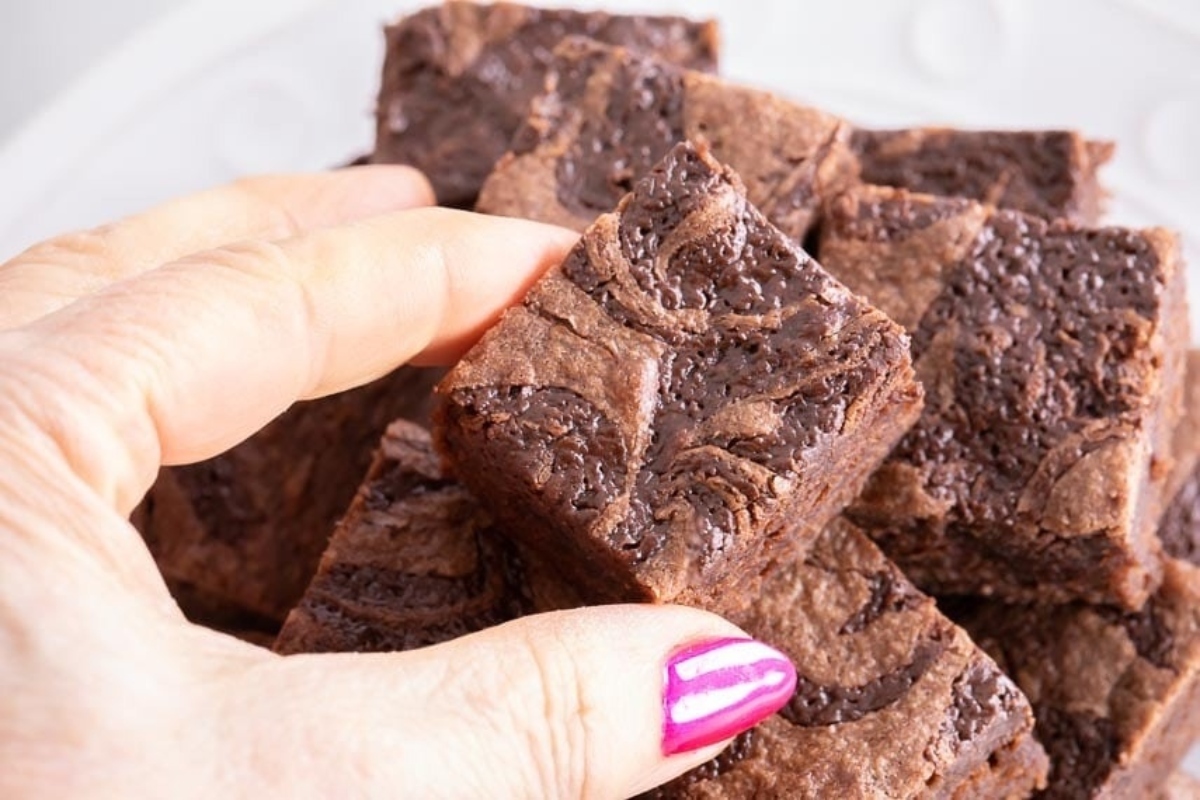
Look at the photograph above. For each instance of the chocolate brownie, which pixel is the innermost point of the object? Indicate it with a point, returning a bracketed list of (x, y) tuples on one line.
[(1049, 174), (1116, 693), (892, 699), (610, 114), (1179, 530), (1052, 357), (685, 396), (414, 562), (458, 78), (244, 531)]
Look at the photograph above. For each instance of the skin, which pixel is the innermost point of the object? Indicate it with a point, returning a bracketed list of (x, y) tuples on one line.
[(170, 336)]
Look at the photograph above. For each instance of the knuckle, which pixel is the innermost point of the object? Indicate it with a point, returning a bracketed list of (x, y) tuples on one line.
[(550, 710), (85, 245)]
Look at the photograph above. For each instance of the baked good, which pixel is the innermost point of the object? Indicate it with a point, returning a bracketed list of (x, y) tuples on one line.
[(609, 114), (893, 700), (1052, 356), (243, 532), (414, 562), (1179, 530), (458, 78), (685, 397), (1116, 693), (1050, 174)]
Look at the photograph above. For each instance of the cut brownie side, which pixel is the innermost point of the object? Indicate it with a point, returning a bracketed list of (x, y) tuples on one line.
[(1050, 174), (1052, 357), (414, 562), (688, 394), (1116, 694), (892, 700), (1180, 528), (610, 114), (244, 531), (458, 78)]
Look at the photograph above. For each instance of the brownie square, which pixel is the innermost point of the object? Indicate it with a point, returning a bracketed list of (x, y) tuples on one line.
[(893, 700), (1050, 174), (1116, 693), (686, 396), (240, 535), (414, 562), (458, 78), (610, 114), (892, 696), (1052, 357)]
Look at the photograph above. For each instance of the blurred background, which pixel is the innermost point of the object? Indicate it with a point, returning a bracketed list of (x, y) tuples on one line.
[(45, 43)]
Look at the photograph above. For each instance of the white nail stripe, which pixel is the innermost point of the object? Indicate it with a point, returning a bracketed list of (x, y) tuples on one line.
[(739, 654), (692, 707)]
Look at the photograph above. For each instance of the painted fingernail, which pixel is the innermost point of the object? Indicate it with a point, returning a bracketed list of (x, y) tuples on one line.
[(717, 689)]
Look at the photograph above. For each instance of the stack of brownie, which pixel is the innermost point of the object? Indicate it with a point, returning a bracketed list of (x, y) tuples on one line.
[(807, 376)]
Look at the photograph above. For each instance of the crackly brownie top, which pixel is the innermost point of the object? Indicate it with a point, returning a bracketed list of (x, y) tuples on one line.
[(415, 562), (1102, 681), (892, 699), (1049, 174), (459, 77), (609, 114), (1039, 344), (690, 368)]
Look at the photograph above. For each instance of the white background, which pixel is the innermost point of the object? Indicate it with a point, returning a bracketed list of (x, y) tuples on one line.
[(45, 43)]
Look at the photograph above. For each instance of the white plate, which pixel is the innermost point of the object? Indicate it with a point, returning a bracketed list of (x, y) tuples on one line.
[(223, 88)]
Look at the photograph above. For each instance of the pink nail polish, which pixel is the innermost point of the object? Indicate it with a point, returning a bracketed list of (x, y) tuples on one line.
[(717, 689)]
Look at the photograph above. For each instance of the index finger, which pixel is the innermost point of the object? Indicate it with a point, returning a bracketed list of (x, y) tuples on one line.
[(57, 272), (180, 363)]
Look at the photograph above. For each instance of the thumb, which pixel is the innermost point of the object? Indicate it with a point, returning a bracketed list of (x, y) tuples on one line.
[(599, 703)]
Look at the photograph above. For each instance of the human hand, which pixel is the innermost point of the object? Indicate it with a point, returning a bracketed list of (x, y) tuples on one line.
[(168, 337)]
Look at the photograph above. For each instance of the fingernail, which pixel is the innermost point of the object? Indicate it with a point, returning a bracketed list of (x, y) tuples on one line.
[(717, 689)]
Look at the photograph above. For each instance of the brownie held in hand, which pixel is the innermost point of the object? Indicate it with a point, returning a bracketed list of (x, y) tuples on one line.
[(458, 78), (415, 561), (610, 114), (892, 699), (686, 397), (1052, 358), (1050, 174)]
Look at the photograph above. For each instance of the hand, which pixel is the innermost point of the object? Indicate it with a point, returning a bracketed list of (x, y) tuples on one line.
[(167, 337)]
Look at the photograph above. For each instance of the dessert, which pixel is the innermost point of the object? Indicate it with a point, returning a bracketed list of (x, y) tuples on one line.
[(1050, 174), (1052, 357), (610, 114), (687, 397), (243, 531), (1116, 693), (458, 78), (893, 700), (414, 562), (1179, 530)]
